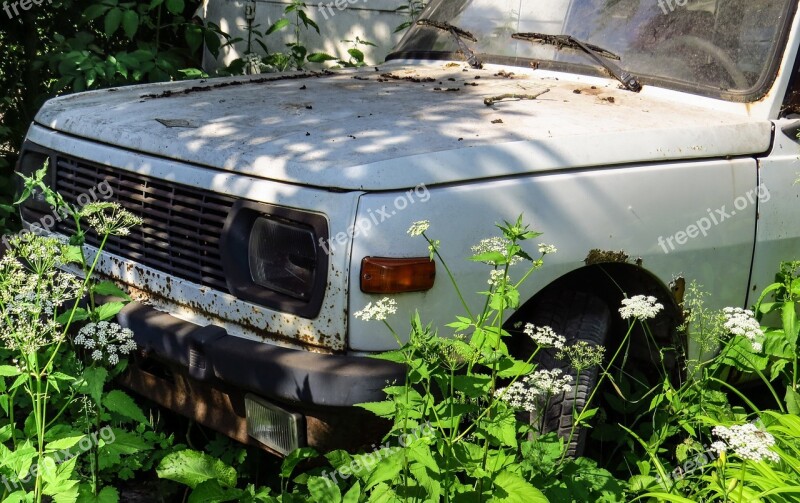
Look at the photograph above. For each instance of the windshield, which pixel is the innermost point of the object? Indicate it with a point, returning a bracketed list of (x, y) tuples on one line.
[(726, 48)]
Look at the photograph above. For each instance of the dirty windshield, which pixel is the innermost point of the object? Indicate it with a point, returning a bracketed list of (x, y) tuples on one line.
[(714, 47)]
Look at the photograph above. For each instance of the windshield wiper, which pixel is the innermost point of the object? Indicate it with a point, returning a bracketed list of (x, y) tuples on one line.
[(459, 35), (597, 53)]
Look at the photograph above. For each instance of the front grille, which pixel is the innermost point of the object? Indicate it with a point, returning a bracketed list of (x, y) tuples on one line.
[(182, 225)]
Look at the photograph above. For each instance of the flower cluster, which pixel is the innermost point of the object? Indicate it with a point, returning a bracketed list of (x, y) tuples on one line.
[(640, 307), (544, 249), (496, 277), (582, 355), (106, 340), (417, 228), (109, 218), (42, 253), (496, 245), (740, 321), (253, 64), (532, 391), (544, 336), (746, 441), (377, 311)]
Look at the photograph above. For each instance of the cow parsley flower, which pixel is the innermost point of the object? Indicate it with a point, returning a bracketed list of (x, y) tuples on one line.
[(640, 307), (380, 310), (109, 218), (740, 321), (544, 249), (107, 340), (496, 245), (582, 355), (496, 277), (532, 391), (544, 336), (417, 228), (747, 441)]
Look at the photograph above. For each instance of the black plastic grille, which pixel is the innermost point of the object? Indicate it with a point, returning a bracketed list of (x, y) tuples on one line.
[(182, 225)]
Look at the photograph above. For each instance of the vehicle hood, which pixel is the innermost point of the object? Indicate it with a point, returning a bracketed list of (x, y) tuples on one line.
[(400, 126)]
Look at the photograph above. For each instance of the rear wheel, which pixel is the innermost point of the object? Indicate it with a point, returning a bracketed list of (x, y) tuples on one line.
[(578, 316)]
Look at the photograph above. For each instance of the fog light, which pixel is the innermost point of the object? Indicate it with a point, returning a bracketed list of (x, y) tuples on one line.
[(278, 429)]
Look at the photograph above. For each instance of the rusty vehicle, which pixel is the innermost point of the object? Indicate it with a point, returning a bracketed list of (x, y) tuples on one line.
[(653, 143)]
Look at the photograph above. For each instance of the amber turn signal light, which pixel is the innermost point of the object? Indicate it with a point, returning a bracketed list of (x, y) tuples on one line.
[(397, 275)]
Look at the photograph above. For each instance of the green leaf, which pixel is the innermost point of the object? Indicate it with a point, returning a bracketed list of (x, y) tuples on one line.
[(294, 458), (80, 315), (94, 11), (512, 488), (381, 409), (121, 403), (387, 469), (323, 490), (789, 318), (192, 468), (211, 492), (121, 443), (130, 23), (353, 494), (112, 21), (109, 310), (91, 383), (792, 401), (107, 494), (175, 6), (473, 386), (320, 57), (194, 37), (8, 371), (356, 54), (109, 288), (63, 443), (277, 26)]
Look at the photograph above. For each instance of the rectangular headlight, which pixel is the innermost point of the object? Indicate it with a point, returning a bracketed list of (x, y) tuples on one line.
[(283, 257)]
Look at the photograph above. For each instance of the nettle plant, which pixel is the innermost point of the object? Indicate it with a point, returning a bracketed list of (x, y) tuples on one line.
[(64, 434)]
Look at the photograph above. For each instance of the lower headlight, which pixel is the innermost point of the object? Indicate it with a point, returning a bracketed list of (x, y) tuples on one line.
[(283, 257)]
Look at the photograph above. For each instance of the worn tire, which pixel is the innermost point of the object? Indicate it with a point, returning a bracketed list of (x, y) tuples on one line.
[(578, 316)]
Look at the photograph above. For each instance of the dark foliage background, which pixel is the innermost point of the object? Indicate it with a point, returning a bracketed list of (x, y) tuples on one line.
[(76, 45)]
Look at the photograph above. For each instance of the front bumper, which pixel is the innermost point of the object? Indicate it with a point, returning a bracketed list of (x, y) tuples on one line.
[(204, 373)]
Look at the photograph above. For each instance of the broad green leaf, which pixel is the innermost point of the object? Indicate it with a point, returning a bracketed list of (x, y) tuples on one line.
[(63, 443), (94, 11), (130, 23), (320, 57), (194, 37), (324, 490), (381, 409), (294, 458), (61, 483), (386, 470), (107, 494), (789, 318), (512, 488), (109, 288), (115, 443), (277, 26), (211, 492), (112, 21), (121, 403), (80, 314), (352, 495), (8, 371), (109, 310), (91, 383), (792, 401), (192, 468), (175, 6)]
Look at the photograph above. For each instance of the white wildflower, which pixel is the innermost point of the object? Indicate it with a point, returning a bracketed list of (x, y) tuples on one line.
[(740, 321), (417, 228), (719, 447), (377, 311), (747, 441), (496, 277), (532, 391), (640, 307), (107, 339), (544, 336), (544, 249), (109, 218), (497, 245)]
